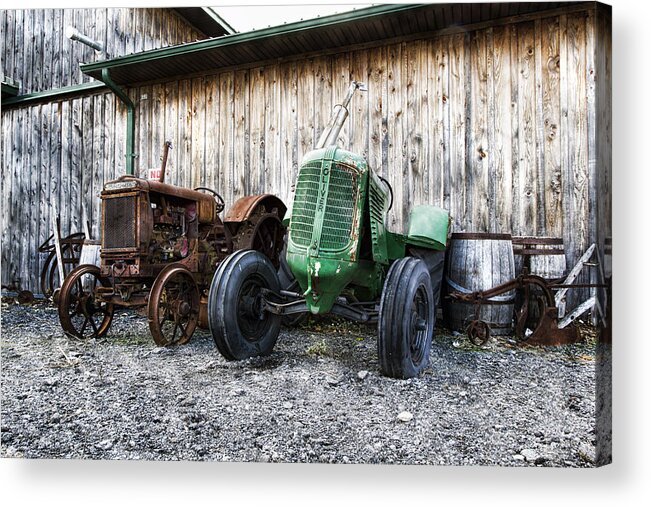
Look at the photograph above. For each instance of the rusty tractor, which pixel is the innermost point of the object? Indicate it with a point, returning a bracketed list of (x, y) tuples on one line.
[(160, 246)]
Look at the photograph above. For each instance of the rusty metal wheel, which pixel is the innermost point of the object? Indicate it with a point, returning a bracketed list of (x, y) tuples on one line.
[(81, 313), (173, 308), (479, 332), (264, 233)]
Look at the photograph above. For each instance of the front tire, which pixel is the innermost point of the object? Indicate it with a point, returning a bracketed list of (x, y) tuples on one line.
[(407, 319), (239, 325)]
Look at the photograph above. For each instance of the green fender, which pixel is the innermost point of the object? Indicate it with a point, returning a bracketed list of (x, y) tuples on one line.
[(428, 227)]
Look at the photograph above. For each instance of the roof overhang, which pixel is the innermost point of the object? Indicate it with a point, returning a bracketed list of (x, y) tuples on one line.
[(206, 20), (364, 27)]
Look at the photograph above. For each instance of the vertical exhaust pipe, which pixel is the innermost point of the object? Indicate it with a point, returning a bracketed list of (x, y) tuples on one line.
[(339, 115)]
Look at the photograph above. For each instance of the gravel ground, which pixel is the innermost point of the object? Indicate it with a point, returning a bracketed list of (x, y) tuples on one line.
[(317, 398)]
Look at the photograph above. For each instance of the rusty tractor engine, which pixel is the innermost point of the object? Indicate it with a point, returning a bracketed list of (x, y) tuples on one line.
[(161, 245)]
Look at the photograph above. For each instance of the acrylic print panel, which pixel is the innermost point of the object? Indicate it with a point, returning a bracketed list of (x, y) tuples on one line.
[(358, 301)]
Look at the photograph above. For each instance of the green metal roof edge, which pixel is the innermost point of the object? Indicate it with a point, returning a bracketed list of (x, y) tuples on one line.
[(10, 88), (238, 38), (54, 93), (218, 19)]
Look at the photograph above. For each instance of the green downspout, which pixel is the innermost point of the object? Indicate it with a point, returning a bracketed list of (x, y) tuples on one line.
[(131, 118)]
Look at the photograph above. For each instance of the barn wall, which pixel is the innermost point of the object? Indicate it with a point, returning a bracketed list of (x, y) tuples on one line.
[(497, 125), (508, 127), (36, 53)]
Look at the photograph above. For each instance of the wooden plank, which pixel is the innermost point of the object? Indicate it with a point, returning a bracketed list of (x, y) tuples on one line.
[(604, 133), (143, 131), (476, 187), (501, 125), (435, 73), (6, 176), (156, 134), (226, 113), (458, 99), (577, 134), (109, 139), (38, 47), (272, 166), (58, 50), (27, 80), (185, 132), (552, 201), (288, 132), (527, 219), (398, 163), (539, 130), (171, 132), (377, 110), (76, 167), (138, 28), (101, 28), (198, 133), (241, 151), (305, 111), (54, 164), (9, 50), (99, 160), (28, 184), (257, 129), (593, 198), (323, 100), (87, 161), (17, 198), (341, 79), (44, 190), (19, 64), (415, 125), (360, 70), (119, 40), (48, 39), (120, 130), (212, 134)]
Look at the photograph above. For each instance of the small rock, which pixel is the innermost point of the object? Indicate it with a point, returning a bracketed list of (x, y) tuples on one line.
[(405, 416), (105, 445), (463, 394), (518, 457), (333, 381), (362, 374), (456, 344), (288, 405), (530, 455)]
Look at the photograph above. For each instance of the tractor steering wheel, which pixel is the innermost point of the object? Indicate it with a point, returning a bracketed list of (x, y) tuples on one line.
[(218, 198)]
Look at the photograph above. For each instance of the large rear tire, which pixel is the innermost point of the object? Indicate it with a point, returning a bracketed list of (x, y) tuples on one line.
[(239, 325), (407, 319)]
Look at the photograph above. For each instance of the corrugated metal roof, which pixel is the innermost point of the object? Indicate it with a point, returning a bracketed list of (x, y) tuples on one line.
[(327, 33)]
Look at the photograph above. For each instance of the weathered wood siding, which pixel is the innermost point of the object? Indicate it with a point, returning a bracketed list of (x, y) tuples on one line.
[(508, 127), (36, 52)]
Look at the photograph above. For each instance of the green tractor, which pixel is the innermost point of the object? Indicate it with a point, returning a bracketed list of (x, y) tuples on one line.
[(344, 261)]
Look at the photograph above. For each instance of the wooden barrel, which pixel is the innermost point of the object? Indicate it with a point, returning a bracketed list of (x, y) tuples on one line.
[(477, 262), (544, 257)]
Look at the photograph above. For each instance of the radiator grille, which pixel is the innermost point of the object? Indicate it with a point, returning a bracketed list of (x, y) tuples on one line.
[(119, 222), (339, 209)]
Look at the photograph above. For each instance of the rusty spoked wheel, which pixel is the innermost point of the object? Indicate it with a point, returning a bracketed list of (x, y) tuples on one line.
[(264, 233), (81, 313), (479, 332), (173, 308)]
